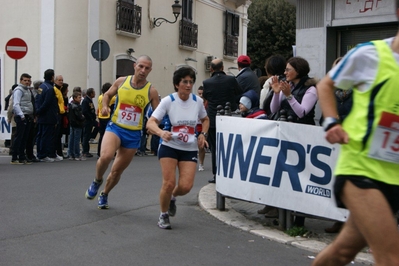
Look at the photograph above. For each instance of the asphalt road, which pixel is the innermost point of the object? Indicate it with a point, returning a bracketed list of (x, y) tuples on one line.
[(46, 220)]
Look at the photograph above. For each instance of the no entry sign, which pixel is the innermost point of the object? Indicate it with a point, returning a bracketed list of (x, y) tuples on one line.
[(16, 48)]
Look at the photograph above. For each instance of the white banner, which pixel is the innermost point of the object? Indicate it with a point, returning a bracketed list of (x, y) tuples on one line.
[(280, 164), (5, 127)]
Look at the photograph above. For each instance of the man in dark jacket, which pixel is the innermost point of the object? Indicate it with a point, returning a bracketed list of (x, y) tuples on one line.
[(246, 77), (218, 90), (89, 112), (47, 112)]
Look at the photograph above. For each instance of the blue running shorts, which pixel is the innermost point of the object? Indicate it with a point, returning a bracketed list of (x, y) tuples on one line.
[(130, 139)]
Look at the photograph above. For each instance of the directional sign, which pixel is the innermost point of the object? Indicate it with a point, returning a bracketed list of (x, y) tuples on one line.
[(100, 49), (16, 48)]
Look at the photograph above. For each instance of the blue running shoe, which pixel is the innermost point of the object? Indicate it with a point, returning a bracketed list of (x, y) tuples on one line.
[(92, 191), (103, 201)]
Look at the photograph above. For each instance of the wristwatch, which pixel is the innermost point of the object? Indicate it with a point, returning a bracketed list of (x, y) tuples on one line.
[(205, 134), (329, 122), (289, 97)]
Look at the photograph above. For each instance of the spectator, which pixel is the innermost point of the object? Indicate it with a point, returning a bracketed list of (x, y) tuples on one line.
[(198, 130), (30, 156), (10, 119), (23, 115), (275, 66), (297, 96), (104, 119), (76, 120), (58, 84), (218, 90), (249, 106), (247, 79), (89, 111), (47, 111)]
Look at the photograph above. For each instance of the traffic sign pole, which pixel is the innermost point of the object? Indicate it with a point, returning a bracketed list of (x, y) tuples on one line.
[(16, 72), (99, 55)]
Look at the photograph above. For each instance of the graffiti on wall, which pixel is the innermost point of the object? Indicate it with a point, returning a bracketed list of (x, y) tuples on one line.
[(368, 5)]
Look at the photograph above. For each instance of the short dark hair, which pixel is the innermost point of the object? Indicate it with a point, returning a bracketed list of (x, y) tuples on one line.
[(89, 91), (79, 89), (75, 94), (105, 87), (300, 65), (218, 66), (48, 74), (182, 73), (200, 88), (64, 87), (25, 75), (243, 65), (275, 65)]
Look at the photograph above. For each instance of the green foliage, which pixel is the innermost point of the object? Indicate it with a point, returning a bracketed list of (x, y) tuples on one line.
[(271, 30), (296, 231)]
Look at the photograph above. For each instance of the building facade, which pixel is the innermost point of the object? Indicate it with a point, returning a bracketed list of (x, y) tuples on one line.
[(60, 34), (327, 29)]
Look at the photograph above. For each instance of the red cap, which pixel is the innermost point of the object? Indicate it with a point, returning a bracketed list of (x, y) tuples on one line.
[(244, 59)]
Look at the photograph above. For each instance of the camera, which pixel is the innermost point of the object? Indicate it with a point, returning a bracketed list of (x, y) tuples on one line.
[(281, 78)]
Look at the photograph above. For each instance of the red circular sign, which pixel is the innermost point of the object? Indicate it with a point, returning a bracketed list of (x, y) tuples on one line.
[(16, 48)]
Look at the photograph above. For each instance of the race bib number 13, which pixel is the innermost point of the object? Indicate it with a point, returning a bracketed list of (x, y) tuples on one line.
[(385, 144)]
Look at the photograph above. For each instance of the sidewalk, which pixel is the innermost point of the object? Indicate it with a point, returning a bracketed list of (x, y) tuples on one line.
[(244, 216)]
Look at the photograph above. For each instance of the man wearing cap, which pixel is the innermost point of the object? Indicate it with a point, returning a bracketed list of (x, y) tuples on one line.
[(218, 90), (246, 77)]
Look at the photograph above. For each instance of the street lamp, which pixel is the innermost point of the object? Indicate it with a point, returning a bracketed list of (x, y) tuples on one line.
[(176, 7)]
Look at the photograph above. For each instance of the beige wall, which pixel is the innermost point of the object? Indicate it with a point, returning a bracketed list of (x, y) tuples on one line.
[(78, 23)]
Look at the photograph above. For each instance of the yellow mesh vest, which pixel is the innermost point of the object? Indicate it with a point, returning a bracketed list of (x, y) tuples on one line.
[(362, 122), (130, 105)]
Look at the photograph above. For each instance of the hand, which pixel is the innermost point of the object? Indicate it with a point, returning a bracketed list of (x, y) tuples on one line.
[(275, 85), (202, 141), (285, 88), (166, 135), (337, 134), (105, 111)]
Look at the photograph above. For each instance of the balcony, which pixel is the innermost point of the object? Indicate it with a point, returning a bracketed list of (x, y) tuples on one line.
[(231, 46), (188, 35), (128, 19)]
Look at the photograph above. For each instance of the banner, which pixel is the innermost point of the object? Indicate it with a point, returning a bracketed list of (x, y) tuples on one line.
[(5, 127), (280, 164)]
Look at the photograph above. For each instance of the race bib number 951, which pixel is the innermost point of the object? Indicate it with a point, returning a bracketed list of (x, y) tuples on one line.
[(129, 115), (385, 144)]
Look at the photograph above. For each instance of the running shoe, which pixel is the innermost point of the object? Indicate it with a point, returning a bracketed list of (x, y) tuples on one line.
[(47, 160), (164, 221), (58, 158), (172, 208), (200, 168), (16, 162), (92, 191), (103, 201)]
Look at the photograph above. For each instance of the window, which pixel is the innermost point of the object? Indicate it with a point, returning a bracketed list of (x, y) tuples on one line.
[(232, 24), (232, 31), (187, 10)]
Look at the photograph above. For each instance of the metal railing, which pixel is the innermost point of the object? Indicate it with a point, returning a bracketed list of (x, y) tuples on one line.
[(231, 45), (128, 17), (188, 35)]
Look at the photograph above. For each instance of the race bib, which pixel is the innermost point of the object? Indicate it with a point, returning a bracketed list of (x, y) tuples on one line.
[(183, 134), (129, 115), (385, 144)]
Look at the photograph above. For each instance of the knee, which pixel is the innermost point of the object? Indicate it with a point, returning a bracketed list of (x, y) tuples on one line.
[(185, 188), (168, 186)]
